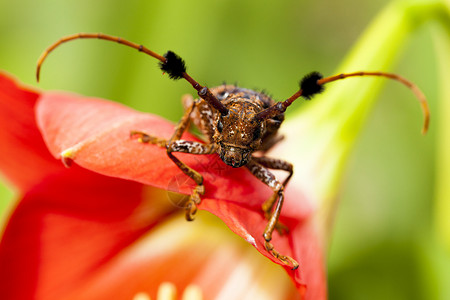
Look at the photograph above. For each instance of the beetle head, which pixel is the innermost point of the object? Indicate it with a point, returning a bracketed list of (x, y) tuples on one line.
[(238, 133)]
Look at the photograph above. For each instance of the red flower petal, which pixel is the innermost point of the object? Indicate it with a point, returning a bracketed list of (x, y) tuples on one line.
[(96, 134), (95, 245), (67, 228), (24, 158)]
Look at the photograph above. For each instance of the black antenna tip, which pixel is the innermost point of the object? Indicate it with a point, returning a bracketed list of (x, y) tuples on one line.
[(309, 85), (174, 65)]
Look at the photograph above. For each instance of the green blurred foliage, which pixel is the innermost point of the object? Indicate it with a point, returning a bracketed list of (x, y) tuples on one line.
[(384, 221)]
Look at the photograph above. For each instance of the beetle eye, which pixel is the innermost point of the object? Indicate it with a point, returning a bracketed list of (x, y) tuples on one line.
[(257, 133), (219, 126)]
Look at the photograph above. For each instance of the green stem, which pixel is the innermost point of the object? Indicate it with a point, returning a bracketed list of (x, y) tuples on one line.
[(442, 200)]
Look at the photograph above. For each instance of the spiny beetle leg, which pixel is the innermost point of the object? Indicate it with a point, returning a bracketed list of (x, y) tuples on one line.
[(177, 145), (192, 148), (287, 260), (267, 206), (148, 139), (186, 147), (269, 179), (183, 124), (194, 199)]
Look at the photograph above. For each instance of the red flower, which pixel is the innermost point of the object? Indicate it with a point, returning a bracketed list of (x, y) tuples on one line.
[(99, 232)]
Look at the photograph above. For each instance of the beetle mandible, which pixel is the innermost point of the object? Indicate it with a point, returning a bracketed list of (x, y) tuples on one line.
[(235, 122)]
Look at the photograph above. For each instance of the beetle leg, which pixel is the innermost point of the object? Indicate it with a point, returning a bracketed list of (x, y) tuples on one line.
[(183, 146), (179, 129), (149, 139), (174, 144), (263, 174), (192, 148), (183, 124), (277, 164)]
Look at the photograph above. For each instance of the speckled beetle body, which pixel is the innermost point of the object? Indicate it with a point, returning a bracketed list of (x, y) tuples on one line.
[(234, 133)]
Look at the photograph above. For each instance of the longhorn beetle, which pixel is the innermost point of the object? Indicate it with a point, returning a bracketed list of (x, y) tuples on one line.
[(235, 122)]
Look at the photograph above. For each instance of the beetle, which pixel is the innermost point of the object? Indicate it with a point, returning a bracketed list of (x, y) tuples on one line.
[(236, 122)]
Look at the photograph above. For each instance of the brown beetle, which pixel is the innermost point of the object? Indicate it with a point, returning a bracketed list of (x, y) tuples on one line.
[(235, 123)]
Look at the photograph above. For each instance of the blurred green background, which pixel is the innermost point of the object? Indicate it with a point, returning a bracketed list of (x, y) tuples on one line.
[(382, 245)]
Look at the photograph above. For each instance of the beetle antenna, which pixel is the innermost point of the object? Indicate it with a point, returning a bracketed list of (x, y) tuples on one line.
[(312, 84), (170, 63)]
